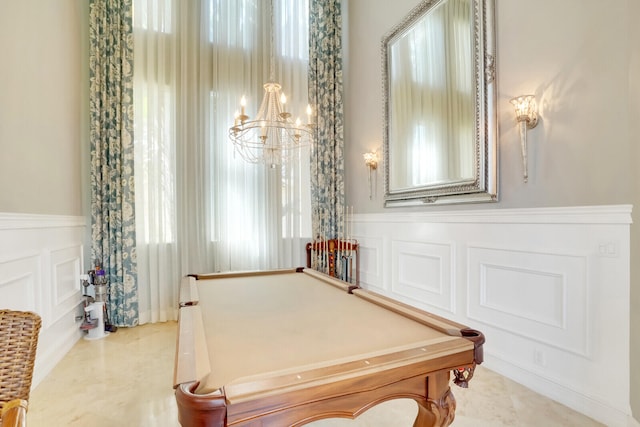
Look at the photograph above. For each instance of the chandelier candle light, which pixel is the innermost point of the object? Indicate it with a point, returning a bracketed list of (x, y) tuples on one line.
[(272, 135)]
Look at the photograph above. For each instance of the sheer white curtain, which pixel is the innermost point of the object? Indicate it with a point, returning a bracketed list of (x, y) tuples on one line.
[(200, 208)]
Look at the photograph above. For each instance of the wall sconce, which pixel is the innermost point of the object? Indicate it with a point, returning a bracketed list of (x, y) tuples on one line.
[(527, 118), (371, 160)]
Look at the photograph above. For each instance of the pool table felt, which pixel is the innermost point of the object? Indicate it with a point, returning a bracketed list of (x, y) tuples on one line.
[(283, 323)]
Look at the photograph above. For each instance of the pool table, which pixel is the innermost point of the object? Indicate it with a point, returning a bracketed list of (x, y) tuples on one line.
[(288, 347)]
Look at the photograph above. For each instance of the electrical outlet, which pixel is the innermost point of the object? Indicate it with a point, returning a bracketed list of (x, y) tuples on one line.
[(608, 249), (539, 358)]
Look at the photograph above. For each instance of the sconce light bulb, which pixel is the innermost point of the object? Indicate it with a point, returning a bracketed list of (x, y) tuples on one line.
[(526, 109), (527, 118), (371, 159)]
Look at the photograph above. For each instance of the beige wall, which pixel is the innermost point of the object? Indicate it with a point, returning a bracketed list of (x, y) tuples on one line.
[(572, 54), (43, 117), (634, 132), (580, 59)]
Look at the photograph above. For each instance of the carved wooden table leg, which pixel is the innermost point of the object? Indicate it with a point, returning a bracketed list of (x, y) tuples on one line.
[(438, 410)]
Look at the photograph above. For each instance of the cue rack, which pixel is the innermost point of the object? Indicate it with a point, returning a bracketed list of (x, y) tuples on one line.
[(337, 258)]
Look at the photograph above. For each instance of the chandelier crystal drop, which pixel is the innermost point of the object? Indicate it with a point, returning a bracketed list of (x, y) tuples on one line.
[(272, 135)]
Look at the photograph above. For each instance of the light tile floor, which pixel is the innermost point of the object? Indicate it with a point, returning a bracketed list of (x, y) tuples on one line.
[(125, 380)]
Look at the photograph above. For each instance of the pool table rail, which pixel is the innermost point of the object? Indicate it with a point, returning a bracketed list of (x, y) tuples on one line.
[(341, 399), (188, 292), (443, 355), (428, 319), (346, 398), (192, 357)]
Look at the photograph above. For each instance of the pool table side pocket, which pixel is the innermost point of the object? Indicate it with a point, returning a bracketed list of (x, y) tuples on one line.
[(188, 291)]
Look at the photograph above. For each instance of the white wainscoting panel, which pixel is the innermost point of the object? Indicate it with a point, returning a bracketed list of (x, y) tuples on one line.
[(18, 280), (423, 272), (548, 287), (41, 259), (65, 268), (542, 296), (371, 261)]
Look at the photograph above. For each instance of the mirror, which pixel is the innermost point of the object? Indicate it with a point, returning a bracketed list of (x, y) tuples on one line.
[(439, 101)]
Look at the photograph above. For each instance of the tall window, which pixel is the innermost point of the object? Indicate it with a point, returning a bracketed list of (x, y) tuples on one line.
[(199, 207)]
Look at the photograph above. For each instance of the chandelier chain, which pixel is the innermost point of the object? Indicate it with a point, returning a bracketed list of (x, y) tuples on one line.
[(272, 43)]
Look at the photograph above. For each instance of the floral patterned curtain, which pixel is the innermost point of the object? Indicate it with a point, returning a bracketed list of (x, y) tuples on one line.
[(111, 134), (325, 93)]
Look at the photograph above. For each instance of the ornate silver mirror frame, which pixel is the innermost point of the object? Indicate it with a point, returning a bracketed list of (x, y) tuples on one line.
[(440, 135)]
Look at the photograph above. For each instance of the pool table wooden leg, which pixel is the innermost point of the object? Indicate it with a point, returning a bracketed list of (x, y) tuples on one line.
[(438, 409)]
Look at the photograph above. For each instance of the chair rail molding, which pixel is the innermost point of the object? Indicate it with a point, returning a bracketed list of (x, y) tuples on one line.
[(41, 259), (549, 288)]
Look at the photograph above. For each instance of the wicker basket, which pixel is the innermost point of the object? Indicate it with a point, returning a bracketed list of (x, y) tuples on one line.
[(18, 343)]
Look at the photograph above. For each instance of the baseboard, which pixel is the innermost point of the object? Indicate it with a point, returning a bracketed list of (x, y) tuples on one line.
[(598, 410), (48, 359)]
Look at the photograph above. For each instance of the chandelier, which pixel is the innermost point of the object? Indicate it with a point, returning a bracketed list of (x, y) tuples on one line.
[(272, 135)]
